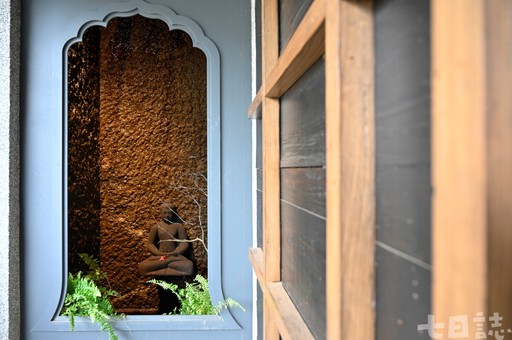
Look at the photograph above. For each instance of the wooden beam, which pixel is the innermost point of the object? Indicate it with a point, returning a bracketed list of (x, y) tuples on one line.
[(256, 258), (459, 159), (303, 49), (350, 170), (290, 323), (270, 146), (255, 109), (499, 160), (286, 315)]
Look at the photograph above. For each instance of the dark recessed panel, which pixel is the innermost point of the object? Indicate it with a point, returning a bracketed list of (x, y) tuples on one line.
[(304, 188), (403, 297), (403, 209), (259, 217), (259, 149), (291, 13), (303, 120), (403, 167), (303, 264)]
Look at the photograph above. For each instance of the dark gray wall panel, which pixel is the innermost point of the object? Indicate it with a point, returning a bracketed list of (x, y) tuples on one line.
[(403, 171), (303, 120), (303, 264), (259, 303), (291, 13), (258, 43), (259, 179), (305, 188), (403, 209), (403, 297), (403, 143), (259, 150), (259, 185), (259, 217), (402, 34)]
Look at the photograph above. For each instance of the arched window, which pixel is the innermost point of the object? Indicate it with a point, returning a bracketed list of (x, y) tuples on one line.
[(137, 137), (142, 125)]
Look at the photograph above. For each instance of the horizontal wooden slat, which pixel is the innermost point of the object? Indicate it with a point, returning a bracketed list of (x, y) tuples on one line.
[(303, 49), (254, 111)]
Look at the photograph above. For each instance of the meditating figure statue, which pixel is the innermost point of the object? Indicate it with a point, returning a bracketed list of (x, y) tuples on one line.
[(167, 243)]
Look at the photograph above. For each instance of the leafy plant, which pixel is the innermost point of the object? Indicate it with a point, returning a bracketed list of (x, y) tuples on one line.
[(85, 297), (94, 273), (195, 298)]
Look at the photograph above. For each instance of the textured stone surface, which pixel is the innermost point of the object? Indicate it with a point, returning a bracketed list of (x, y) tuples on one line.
[(9, 170), (83, 153), (149, 145)]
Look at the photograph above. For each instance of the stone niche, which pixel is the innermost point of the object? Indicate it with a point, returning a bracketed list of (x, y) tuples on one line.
[(137, 135)]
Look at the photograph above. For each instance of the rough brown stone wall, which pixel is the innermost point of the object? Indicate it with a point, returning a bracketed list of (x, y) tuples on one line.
[(84, 152), (152, 146)]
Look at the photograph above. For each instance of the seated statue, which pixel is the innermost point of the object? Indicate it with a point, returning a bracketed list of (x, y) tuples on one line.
[(167, 246)]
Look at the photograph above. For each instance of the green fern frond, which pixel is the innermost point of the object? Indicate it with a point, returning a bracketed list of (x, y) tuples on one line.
[(195, 297), (229, 302), (94, 273), (85, 297), (165, 285)]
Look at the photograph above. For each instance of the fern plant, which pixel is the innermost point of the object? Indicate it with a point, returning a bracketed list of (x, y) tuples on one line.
[(195, 298), (94, 273), (85, 297)]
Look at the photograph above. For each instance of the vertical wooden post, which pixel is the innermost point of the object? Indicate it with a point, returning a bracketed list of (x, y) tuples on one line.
[(350, 169), (270, 146), (459, 159), (499, 160)]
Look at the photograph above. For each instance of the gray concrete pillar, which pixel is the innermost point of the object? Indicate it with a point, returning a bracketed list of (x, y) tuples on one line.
[(9, 169)]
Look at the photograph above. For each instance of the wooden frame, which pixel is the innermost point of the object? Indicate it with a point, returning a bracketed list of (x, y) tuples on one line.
[(270, 153), (350, 170), (459, 209), (471, 134), (254, 111), (350, 158), (499, 158), (303, 49), (472, 119)]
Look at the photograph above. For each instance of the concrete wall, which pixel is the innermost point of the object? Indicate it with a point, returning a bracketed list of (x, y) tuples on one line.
[(9, 170)]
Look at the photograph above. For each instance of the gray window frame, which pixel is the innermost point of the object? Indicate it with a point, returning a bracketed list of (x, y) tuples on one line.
[(50, 319)]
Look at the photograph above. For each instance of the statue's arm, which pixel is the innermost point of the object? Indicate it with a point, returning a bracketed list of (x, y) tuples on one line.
[(183, 246), (151, 245)]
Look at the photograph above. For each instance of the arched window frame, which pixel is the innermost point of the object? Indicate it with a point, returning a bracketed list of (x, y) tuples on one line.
[(50, 320)]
